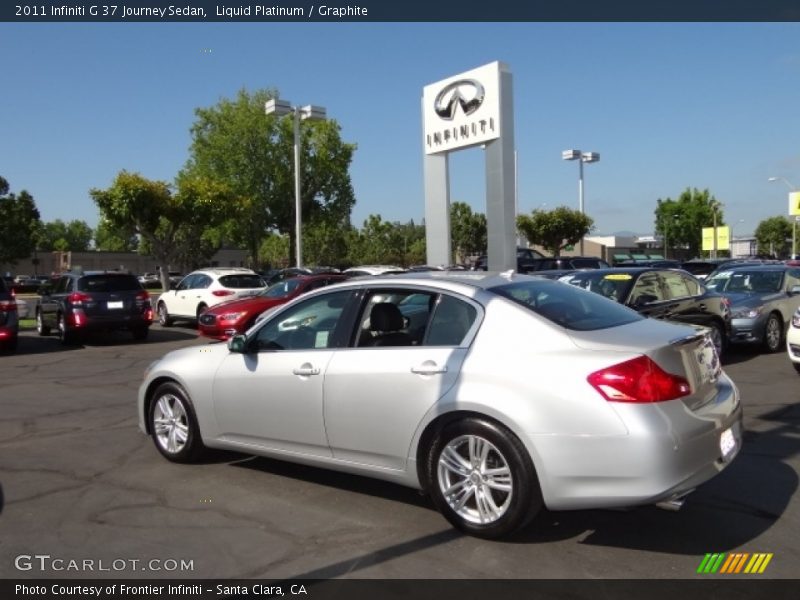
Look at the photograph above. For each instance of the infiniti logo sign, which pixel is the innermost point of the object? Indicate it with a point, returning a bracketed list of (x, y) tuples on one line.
[(466, 93)]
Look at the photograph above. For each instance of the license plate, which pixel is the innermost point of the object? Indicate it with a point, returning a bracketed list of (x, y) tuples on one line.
[(727, 443), (115, 304)]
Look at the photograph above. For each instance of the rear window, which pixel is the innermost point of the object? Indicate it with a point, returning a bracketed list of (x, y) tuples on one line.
[(281, 289), (566, 305), (242, 281), (109, 283)]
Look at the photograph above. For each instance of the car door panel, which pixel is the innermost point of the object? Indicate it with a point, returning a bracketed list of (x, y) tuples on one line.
[(273, 400), (376, 397)]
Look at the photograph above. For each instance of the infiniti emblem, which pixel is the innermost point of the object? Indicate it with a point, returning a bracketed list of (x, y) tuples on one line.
[(466, 93)]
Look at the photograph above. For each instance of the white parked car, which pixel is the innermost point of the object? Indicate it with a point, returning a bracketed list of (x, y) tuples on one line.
[(206, 287), (793, 340)]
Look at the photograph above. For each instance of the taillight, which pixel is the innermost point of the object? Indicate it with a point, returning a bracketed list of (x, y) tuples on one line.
[(8, 305), (638, 380), (142, 296), (78, 298), (222, 293)]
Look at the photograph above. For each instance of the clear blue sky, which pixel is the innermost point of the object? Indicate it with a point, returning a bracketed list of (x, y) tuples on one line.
[(668, 106)]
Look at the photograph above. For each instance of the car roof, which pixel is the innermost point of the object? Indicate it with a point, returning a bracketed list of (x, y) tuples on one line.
[(755, 267), (225, 271), (466, 282)]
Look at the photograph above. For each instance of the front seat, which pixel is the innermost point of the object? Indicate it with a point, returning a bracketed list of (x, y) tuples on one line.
[(386, 323)]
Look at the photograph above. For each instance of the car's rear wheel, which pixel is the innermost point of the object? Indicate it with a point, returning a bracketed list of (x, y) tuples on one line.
[(173, 424), (201, 308), (41, 328), (482, 479), (65, 334), (773, 333), (796, 367), (163, 315)]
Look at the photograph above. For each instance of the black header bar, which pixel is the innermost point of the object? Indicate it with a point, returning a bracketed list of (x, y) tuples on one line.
[(400, 10)]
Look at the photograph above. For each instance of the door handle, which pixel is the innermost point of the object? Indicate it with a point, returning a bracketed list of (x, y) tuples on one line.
[(306, 370), (429, 368)]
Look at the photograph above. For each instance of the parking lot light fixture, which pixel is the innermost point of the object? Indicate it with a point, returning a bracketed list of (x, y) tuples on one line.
[(282, 108), (581, 157), (794, 220)]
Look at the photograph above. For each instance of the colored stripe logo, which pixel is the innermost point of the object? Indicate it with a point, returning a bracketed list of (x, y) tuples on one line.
[(735, 563)]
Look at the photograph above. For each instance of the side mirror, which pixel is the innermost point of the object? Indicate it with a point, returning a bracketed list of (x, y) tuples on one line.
[(238, 343), (795, 290)]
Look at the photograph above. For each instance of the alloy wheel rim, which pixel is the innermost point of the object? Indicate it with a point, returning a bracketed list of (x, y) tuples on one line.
[(475, 479), (170, 423), (773, 333), (162, 314), (39, 324)]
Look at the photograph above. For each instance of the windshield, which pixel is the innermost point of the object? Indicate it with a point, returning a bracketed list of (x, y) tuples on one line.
[(745, 281), (567, 306), (281, 289)]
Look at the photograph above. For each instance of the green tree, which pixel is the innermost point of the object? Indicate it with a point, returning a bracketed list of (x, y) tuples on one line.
[(19, 222), (556, 229), (467, 231), (252, 153), (683, 219), (112, 239), (274, 251), (772, 235), (58, 235), (172, 226)]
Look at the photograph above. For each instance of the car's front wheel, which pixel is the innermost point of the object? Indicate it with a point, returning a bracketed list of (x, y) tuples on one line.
[(773, 333), (482, 479), (173, 424), (67, 336)]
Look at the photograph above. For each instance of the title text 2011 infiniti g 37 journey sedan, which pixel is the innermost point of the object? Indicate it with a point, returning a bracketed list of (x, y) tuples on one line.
[(497, 394)]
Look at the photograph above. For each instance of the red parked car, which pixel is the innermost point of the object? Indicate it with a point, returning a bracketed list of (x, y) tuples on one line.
[(237, 316)]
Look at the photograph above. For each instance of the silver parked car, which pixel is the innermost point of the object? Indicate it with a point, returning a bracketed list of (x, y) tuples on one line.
[(763, 299), (496, 394)]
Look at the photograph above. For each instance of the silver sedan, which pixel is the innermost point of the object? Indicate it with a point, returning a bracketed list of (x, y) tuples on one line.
[(495, 394), (763, 299)]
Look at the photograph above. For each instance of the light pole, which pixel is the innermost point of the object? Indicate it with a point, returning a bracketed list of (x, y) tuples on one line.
[(281, 108), (794, 220), (715, 206), (581, 157)]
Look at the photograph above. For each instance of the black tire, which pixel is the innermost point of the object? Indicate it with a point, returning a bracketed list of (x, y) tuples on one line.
[(41, 328), (796, 367), (167, 431), (718, 337), (163, 315), (773, 334), (512, 509), (140, 333), (201, 308), (67, 336), (10, 345)]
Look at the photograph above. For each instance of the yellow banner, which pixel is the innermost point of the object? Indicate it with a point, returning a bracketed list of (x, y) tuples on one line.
[(794, 203), (723, 238)]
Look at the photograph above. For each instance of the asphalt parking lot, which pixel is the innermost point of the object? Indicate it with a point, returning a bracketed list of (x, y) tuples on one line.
[(79, 481)]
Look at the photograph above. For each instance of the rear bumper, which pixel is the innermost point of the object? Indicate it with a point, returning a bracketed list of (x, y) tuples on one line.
[(669, 451), (102, 323)]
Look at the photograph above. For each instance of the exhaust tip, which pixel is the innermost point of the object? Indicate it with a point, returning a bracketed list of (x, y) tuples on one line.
[(675, 503)]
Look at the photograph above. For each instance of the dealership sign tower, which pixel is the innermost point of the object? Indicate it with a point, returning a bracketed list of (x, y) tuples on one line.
[(475, 108)]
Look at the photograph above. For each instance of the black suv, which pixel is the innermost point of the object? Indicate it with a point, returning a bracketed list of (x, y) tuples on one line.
[(9, 322), (76, 303), (526, 259)]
